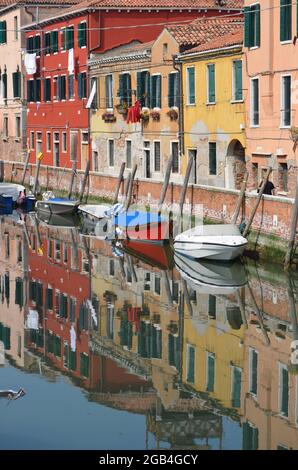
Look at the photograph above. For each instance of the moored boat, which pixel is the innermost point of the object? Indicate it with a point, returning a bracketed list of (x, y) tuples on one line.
[(218, 242), (142, 226), (58, 206), (94, 212)]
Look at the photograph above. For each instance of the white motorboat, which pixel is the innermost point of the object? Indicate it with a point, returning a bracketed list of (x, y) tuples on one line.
[(211, 277), (217, 242), (94, 212), (57, 206), (11, 189)]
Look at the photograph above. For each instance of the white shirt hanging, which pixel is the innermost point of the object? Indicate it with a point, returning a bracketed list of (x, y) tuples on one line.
[(30, 63), (70, 61)]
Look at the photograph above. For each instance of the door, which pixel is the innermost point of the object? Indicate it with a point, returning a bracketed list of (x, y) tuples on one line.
[(56, 149), (193, 174)]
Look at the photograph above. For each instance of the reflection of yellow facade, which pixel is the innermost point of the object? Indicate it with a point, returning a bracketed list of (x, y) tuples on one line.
[(216, 339), (221, 122)]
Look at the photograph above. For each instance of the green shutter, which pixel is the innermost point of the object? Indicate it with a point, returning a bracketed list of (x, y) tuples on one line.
[(82, 35), (36, 44), (236, 390), (158, 91), (212, 168), (285, 392), (247, 25), (49, 299), (84, 365), (19, 292), (191, 85), (285, 20), (211, 83), (128, 89), (282, 19), (16, 80), (210, 373), (238, 80), (139, 85), (171, 92), (258, 25), (69, 37), (4, 83), (54, 41), (47, 40), (191, 365), (254, 381), (3, 32)]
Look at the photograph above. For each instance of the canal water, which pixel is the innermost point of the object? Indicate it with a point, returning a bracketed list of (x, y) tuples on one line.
[(129, 347)]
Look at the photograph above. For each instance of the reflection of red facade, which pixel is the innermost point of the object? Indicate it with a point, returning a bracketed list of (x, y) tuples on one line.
[(58, 127)]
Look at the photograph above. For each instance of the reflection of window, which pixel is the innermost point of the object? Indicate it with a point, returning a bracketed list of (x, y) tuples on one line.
[(210, 372), (72, 309), (128, 153), (253, 371), (283, 390), (254, 102), (190, 363), (175, 291), (111, 152), (250, 437), (125, 89), (112, 267), (57, 251), (175, 155), (157, 284), (109, 91), (212, 306), (84, 365), (128, 275), (286, 100)]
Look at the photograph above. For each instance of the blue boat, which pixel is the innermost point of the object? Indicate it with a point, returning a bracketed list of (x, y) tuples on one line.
[(142, 226)]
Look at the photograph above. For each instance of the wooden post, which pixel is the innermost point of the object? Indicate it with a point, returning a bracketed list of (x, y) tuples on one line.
[(127, 203), (120, 178), (253, 212), (75, 250), (25, 167), (127, 186), (292, 308), (132, 269), (258, 313), (167, 286), (293, 228), (187, 298), (242, 308), (35, 187), (240, 198), (72, 179), (84, 181), (185, 184), (166, 182)]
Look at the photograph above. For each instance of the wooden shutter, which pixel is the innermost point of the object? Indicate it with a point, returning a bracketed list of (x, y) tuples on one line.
[(82, 37), (191, 84), (36, 44), (191, 365), (258, 25), (121, 88), (211, 83), (128, 89), (156, 156), (236, 391), (285, 389), (3, 32), (210, 373), (171, 91), (69, 37), (4, 83), (54, 41), (49, 299), (29, 44), (19, 292), (212, 161), (247, 24), (158, 91), (16, 81), (238, 80)]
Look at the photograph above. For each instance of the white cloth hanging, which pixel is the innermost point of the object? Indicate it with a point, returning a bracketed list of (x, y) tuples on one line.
[(91, 96), (70, 61), (32, 320), (2, 354), (73, 339), (30, 63)]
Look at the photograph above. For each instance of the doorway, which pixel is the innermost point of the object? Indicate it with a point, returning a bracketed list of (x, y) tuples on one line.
[(147, 159), (56, 149)]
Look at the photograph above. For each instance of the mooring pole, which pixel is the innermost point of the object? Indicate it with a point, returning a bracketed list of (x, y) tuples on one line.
[(127, 204), (120, 178), (254, 210), (35, 187), (25, 167), (185, 184), (240, 198), (293, 228), (166, 182), (84, 181), (73, 173)]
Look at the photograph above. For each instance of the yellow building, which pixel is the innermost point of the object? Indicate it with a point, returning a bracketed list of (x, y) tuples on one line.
[(213, 109)]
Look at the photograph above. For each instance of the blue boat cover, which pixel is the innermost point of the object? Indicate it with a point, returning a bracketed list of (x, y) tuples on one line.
[(133, 218), (59, 199)]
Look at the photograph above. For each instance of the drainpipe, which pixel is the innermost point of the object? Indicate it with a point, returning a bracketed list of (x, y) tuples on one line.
[(177, 65)]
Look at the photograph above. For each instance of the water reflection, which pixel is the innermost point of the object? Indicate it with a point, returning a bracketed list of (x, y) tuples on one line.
[(202, 351)]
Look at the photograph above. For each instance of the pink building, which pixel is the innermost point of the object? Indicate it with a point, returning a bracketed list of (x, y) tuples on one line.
[(270, 89)]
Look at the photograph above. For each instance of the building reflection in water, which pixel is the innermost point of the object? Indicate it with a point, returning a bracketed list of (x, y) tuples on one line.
[(192, 346)]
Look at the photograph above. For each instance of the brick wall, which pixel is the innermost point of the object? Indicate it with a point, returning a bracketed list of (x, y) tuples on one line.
[(272, 217)]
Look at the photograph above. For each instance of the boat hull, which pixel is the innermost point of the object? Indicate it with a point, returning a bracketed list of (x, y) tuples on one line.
[(142, 226), (211, 251), (57, 208)]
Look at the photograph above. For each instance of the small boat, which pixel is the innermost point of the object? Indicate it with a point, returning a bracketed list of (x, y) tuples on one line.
[(218, 242), (11, 189), (56, 220), (94, 212), (154, 254), (12, 394), (58, 206), (141, 226), (211, 277)]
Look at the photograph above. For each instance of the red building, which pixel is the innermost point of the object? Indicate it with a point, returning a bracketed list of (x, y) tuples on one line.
[(57, 93)]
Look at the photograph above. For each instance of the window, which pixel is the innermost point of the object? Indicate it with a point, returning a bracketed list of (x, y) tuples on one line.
[(73, 145), (32, 146), (210, 83), (190, 85), (143, 88), (190, 363), (109, 91), (49, 298), (30, 45), (173, 90), (157, 284), (175, 155), (237, 80), (5, 127), (128, 154), (84, 365), (38, 143), (286, 100), (165, 50), (111, 267), (253, 371), (3, 32), (212, 158), (54, 41), (63, 39), (70, 87), (69, 37), (37, 83), (111, 152), (254, 90), (283, 177), (47, 89), (36, 44), (33, 90), (95, 165), (82, 85), (210, 372), (4, 86), (252, 26), (250, 437), (82, 34), (125, 89), (285, 20), (16, 27), (283, 390), (18, 127), (48, 141), (156, 156), (236, 387), (61, 85), (16, 82), (65, 247), (156, 91), (55, 88), (64, 142), (47, 43)]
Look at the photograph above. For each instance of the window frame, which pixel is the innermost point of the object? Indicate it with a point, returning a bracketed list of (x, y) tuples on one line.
[(234, 99), (282, 102), (48, 147), (252, 111), (188, 102), (208, 68), (171, 153), (157, 141), (108, 153)]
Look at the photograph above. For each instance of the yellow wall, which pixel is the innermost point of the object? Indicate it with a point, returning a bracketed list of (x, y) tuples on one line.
[(218, 122)]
